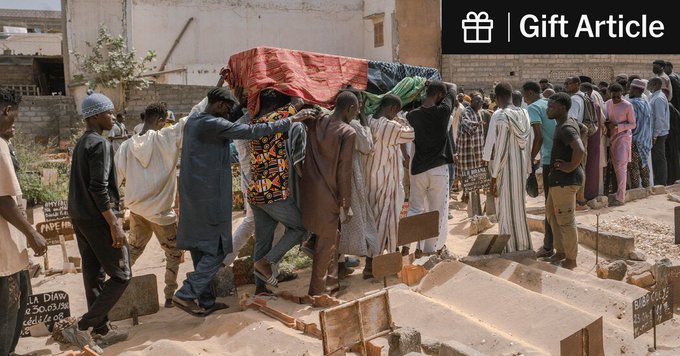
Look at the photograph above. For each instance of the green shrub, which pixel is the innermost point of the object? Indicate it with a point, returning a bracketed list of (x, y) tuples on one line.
[(33, 158)]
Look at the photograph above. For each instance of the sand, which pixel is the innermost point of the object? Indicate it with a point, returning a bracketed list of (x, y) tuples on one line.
[(503, 308)]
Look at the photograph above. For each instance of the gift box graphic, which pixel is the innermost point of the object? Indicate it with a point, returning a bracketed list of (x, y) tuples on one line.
[(477, 27)]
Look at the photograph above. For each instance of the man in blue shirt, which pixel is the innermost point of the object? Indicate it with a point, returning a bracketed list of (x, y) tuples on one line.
[(544, 130)]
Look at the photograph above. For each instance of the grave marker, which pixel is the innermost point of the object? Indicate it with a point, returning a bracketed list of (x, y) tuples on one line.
[(588, 341), (140, 298), (651, 310), (418, 227), (52, 229), (47, 308), (55, 210), (489, 244)]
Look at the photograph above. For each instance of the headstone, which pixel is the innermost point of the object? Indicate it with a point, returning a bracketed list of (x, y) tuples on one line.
[(387, 264), (673, 274), (140, 298), (677, 225), (55, 210), (652, 309), (418, 227), (587, 341), (52, 229), (355, 322), (475, 178), (47, 308), (489, 244)]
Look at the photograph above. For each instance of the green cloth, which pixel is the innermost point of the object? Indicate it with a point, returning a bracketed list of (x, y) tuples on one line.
[(408, 89)]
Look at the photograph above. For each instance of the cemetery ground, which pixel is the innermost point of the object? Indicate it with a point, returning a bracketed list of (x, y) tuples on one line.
[(489, 305)]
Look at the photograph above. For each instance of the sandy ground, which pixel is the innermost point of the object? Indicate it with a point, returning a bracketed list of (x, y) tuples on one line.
[(497, 310)]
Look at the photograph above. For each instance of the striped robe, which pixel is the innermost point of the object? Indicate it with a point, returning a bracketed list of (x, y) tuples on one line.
[(511, 166), (359, 236), (385, 192)]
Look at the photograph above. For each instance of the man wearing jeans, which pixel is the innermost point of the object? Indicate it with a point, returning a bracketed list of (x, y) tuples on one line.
[(205, 194), (433, 151), (660, 129), (544, 129), (566, 177), (268, 193), (15, 231)]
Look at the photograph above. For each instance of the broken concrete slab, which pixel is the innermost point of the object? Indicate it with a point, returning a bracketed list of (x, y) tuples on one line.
[(635, 269), (598, 202), (479, 224), (643, 280), (455, 348), (428, 262), (673, 197), (637, 256), (632, 194), (657, 190), (612, 244), (430, 346), (404, 340), (615, 270)]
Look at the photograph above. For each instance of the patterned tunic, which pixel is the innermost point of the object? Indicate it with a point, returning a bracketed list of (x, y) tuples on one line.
[(269, 162), (385, 192), (470, 141)]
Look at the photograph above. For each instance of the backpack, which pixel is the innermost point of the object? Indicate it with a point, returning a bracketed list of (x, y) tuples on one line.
[(589, 116)]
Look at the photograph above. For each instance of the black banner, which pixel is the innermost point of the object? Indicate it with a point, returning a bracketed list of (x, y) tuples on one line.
[(535, 28)]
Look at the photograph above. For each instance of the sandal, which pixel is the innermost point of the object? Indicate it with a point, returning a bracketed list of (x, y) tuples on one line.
[(285, 276), (188, 306), (215, 307), (271, 280)]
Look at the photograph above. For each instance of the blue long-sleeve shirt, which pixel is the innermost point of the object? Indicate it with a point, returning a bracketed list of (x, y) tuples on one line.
[(660, 114)]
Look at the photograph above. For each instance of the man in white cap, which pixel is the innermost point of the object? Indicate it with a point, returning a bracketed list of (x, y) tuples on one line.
[(93, 205)]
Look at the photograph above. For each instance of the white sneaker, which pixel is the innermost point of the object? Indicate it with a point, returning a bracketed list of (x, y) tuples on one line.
[(80, 338)]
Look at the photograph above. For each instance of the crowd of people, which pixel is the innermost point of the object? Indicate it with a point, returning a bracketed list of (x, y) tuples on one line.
[(335, 180)]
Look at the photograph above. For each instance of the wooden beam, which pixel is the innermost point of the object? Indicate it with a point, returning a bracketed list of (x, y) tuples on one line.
[(179, 37)]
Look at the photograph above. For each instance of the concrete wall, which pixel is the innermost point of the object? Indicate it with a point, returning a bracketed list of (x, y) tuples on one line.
[(419, 32), (16, 74), (220, 29), (480, 71), (180, 99), (51, 117), (43, 44), (380, 10)]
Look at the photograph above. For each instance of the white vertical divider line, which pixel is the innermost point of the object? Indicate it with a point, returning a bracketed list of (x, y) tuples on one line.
[(508, 27)]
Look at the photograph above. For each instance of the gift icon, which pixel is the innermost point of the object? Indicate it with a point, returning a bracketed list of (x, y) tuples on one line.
[(477, 27)]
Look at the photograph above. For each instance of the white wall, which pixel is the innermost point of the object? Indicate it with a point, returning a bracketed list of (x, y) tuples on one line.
[(222, 28), (386, 52), (44, 44)]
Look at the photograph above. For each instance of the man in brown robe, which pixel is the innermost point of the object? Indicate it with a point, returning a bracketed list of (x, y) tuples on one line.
[(326, 188)]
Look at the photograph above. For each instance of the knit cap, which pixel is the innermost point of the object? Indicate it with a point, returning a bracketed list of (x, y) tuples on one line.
[(95, 103)]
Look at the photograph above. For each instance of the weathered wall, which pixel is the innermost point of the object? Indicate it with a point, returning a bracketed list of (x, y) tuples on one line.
[(16, 74), (480, 71), (220, 29), (43, 44), (419, 31), (180, 99), (51, 117), (387, 52)]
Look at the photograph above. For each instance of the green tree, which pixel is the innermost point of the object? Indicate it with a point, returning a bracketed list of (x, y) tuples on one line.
[(112, 64)]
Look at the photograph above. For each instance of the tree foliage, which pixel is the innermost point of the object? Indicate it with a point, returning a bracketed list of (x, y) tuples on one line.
[(112, 64)]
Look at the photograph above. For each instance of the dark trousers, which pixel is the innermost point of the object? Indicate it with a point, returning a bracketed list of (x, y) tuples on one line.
[(659, 161), (100, 258), (548, 235), (14, 296), (198, 285)]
